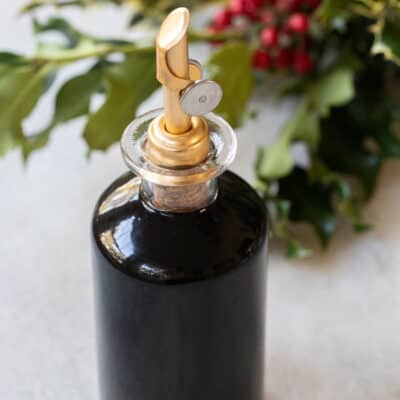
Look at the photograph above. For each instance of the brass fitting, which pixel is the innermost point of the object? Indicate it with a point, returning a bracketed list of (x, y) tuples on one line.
[(171, 150)]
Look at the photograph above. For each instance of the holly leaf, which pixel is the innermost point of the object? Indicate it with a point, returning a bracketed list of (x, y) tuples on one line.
[(76, 45), (375, 112), (296, 250), (311, 202), (387, 40), (35, 142), (389, 144), (342, 150), (335, 88), (36, 4), (11, 59), (20, 90), (281, 229), (59, 25), (136, 18), (347, 202), (230, 66), (307, 130), (72, 101), (331, 8), (275, 160), (381, 125), (352, 209), (128, 84)]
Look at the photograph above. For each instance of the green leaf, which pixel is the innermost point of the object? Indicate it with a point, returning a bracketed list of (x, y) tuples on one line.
[(389, 144), (36, 4), (332, 10), (8, 58), (307, 129), (128, 84), (275, 161), (59, 25), (381, 125), (333, 89), (136, 19), (77, 46), (374, 114), (348, 202), (387, 40), (342, 150), (72, 101), (311, 202), (352, 209), (20, 90), (260, 185), (35, 142), (230, 66), (281, 230), (291, 86), (283, 208), (52, 52), (296, 250)]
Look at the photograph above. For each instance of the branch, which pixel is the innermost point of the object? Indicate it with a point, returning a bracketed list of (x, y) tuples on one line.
[(34, 4), (99, 52)]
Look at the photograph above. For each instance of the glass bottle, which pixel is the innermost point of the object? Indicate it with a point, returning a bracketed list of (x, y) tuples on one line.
[(180, 255)]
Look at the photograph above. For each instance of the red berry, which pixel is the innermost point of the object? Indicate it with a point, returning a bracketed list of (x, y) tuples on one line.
[(261, 60), (252, 9), (222, 19), (270, 37), (302, 62), (287, 5), (313, 4), (247, 8), (238, 7), (298, 23), (267, 17), (284, 58), (254, 3)]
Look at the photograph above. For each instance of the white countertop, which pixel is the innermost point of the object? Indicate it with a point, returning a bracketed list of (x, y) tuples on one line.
[(333, 320)]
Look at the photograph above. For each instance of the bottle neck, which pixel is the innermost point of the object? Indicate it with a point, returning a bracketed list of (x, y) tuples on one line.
[(179, 199), (183, 189)]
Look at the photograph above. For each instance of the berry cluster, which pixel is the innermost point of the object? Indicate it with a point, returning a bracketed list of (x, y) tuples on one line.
[(283, 31)]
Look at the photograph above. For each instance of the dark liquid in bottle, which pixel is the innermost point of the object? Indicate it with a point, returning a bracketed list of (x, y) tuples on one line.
[(180, 298)]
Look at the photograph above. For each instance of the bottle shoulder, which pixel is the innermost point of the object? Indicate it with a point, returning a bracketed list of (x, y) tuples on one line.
[(168, 247)]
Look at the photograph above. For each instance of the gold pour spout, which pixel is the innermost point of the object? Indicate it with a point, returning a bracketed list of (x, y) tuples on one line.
[(172, 63), (177, 139)]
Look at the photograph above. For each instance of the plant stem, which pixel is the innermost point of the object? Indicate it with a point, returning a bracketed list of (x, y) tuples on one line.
[(42, 3), (101, 51)]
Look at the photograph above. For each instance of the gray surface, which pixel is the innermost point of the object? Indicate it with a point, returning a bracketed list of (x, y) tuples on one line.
[(333, 321)]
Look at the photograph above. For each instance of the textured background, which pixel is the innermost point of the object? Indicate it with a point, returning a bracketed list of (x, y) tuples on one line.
[(333, 320)]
